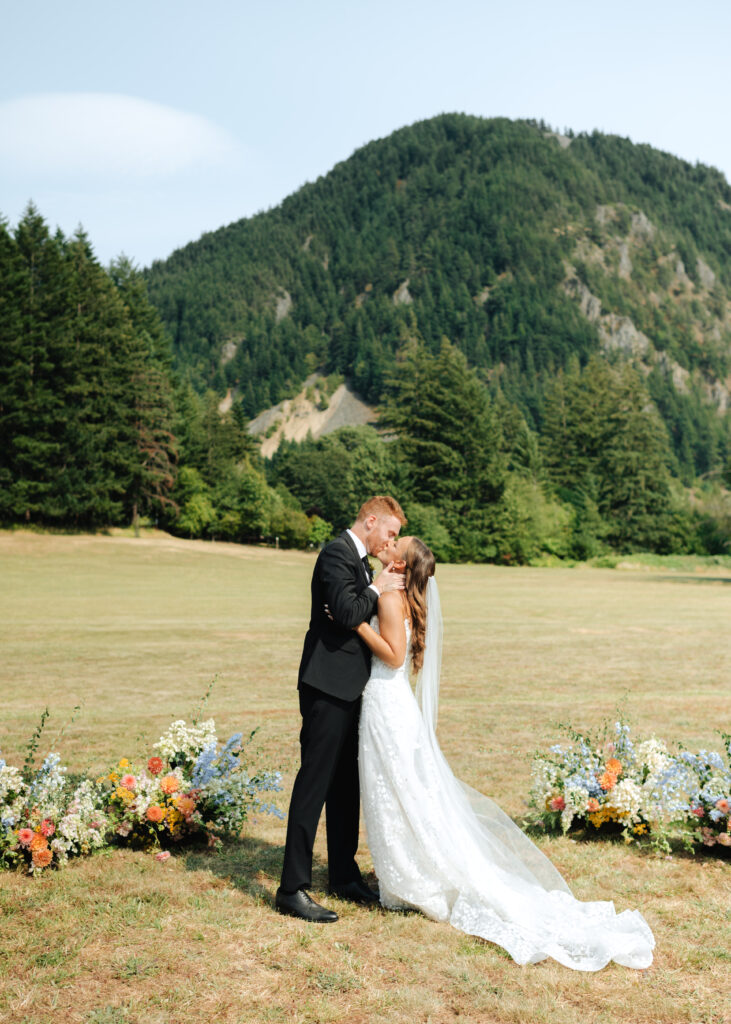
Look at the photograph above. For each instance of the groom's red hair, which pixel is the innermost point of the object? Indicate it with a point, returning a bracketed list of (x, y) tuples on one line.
[(381, 505)]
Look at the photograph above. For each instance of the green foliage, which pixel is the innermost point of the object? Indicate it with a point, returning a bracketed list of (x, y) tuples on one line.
[(85, 407), (333, 476), (607, 451)]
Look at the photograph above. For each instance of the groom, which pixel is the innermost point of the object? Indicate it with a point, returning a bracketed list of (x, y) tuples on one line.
[(333, 672)]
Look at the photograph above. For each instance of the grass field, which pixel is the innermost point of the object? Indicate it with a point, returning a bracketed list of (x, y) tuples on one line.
[(136, 629)]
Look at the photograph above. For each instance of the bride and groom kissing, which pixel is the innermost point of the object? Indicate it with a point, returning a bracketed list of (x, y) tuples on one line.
[(437, 845)]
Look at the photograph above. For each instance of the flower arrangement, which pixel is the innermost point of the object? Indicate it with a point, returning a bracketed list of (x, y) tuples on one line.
[(607, 781), (193, 787)]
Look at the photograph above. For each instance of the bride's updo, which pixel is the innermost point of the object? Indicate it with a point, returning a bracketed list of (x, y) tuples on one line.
[(420, 564)]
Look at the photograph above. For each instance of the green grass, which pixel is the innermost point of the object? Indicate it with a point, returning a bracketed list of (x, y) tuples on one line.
[(134, 630)]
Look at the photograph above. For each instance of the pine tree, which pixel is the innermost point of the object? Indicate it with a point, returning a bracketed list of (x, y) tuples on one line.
[(448, 435), (14, 418), (38, 372), (152, 479)]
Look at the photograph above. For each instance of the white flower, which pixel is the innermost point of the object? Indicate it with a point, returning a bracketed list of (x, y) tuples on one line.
[(187, 740), (654, 754), (626, 798)]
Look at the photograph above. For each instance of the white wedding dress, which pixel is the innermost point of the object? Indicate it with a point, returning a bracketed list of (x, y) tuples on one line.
[(441, 847)]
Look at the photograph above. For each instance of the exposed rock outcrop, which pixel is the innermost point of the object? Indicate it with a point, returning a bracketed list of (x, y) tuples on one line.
[(282, 304), (402, 296), (295, 418)]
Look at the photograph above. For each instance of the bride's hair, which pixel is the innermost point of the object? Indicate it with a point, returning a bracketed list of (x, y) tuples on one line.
[(420, 564)]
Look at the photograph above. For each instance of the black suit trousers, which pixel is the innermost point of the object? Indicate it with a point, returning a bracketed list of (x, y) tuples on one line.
[(328, 777)]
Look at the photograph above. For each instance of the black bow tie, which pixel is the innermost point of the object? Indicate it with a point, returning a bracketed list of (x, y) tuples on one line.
[(367, 567)]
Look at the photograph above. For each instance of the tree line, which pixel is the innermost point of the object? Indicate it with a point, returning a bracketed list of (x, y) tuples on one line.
[(97, 428)]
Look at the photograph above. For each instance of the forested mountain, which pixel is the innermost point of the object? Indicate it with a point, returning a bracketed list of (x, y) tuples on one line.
[(543, 321), (526, 249)]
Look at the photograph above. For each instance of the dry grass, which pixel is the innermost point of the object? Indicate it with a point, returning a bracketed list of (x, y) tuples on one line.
[(136, 629)]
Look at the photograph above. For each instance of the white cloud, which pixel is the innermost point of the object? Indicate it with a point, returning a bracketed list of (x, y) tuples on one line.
[(88, 135)]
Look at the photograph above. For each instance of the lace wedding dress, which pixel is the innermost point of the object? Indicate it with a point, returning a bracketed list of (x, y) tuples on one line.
[(441, 847)]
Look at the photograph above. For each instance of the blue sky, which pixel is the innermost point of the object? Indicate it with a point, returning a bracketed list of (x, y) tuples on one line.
[(150, 123)]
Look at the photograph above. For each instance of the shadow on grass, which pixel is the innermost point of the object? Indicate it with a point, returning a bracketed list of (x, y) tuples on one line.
[(691, 579), (594, 837), (251, 865)]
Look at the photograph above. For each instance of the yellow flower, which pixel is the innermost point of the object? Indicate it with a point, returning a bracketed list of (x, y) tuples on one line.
[(174, 820), (113, 777), (639, 829), (602, 815), (124, 763), (125, 795)]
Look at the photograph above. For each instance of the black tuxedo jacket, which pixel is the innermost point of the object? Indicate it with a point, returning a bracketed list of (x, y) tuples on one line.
[(334, 659)]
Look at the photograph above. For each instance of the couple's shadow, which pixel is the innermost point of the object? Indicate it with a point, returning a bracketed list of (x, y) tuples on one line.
[(253, 866), (250, 864)]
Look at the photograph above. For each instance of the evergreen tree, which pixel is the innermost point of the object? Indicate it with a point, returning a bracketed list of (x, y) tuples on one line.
[(448, 436), (37, 371), (151, 481), (14, 373)]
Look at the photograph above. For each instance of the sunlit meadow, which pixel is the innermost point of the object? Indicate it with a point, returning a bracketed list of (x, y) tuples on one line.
[(133, 630)]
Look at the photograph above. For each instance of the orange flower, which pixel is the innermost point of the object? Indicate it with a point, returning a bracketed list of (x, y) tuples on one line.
[(154, 765), (723, 805), (185, 805), (170, 784), (38, 842), (42, 858), (613, 766), (592, 804), (607, 781), (155, 813)]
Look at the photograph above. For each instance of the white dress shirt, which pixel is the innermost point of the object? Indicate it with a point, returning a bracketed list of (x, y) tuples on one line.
[(362, 553)]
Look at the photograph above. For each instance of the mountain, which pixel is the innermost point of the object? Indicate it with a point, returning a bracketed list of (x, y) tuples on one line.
[(529, 250)]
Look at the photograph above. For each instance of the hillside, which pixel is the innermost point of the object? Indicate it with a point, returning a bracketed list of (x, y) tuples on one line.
[(524, 248)]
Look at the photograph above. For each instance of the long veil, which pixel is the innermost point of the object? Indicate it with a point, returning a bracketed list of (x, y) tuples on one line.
[(489, 826)]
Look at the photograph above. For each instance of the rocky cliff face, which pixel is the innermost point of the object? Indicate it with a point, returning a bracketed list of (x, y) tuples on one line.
[(629, 280), (316, 410)]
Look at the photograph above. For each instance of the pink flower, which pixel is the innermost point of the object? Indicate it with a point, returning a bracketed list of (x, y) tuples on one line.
[(698, 811), (47, 827), (722, 805), (25, 836), (124, 829), (724, 838), (709, 838), (557, 804), (129, 781), (163, 855)]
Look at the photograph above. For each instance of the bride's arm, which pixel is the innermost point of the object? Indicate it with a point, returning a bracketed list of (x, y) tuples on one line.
[(390, 646)]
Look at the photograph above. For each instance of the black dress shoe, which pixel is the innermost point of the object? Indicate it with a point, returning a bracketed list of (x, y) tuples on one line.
[(356, 892), (301, 904)]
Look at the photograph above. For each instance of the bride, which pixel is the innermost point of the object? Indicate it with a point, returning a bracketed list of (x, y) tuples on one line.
[(441, 847)]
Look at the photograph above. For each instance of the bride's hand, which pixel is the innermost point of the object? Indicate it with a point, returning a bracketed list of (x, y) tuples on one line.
[(390, 579)]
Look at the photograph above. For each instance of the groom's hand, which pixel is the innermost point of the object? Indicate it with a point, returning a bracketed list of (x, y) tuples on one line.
[(389, 580)]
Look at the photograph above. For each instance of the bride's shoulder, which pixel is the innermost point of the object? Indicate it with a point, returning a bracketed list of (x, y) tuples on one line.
[(392, 605)]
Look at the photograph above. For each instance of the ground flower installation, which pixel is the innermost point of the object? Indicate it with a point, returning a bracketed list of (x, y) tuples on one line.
[(192, 788), (608, 783)]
